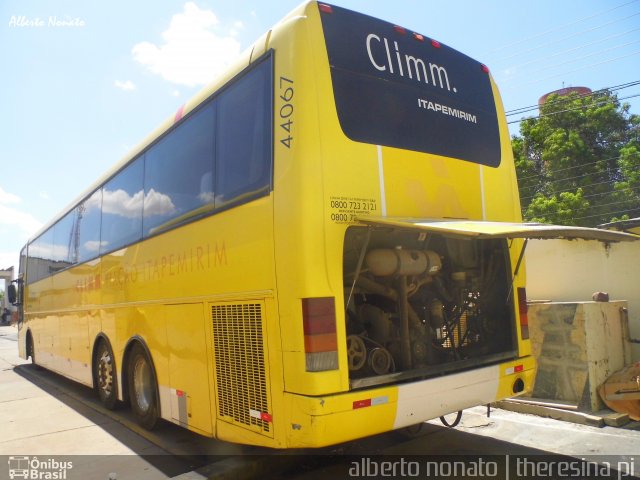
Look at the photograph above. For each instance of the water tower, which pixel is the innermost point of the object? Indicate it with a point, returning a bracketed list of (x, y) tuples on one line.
[(564, 92)]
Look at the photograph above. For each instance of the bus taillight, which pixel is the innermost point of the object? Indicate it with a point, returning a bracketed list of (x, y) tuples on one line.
[(400, 30), (320, 342), (484, 68), (435, 43), (324, 8), (524, 313)]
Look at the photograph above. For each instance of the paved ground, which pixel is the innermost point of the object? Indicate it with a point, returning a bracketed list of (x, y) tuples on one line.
[(45, 415)]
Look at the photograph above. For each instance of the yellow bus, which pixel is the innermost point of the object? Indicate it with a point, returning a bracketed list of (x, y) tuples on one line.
[(320, 246)]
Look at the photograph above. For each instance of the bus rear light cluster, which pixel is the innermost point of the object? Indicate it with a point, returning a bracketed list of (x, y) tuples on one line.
[(400, 30), (523, 309), (320, 341)]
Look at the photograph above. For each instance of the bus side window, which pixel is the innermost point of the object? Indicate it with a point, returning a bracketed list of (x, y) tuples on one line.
[(122, 199), (41, 258), (87, 227), (175, 169), (243, 136)]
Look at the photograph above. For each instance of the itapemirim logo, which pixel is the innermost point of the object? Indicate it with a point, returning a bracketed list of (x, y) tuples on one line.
[(36, 469)]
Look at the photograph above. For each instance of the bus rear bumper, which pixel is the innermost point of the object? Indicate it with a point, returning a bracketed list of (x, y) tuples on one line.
[(329, 420)]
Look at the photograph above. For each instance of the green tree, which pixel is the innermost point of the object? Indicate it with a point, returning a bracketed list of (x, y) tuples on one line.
[(578, 163)]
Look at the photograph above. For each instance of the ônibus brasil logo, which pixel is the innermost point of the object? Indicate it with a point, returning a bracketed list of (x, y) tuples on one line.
[(33, 468)]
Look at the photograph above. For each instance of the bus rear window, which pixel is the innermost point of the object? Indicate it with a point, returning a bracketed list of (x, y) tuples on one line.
[(399, 89)]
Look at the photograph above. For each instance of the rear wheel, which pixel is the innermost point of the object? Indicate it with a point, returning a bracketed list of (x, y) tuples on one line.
[(31, 351), (142, 388), (104, 374)]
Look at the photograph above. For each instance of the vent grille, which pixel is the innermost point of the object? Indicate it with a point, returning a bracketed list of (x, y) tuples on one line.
[(240, 365)]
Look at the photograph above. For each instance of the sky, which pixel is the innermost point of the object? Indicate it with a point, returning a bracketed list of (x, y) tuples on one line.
[(82, 82)]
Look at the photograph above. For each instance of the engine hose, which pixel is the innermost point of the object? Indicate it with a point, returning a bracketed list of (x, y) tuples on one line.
[(455, 422), (441, 289)]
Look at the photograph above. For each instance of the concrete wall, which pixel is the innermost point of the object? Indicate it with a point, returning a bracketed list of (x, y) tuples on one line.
[(572, 270)]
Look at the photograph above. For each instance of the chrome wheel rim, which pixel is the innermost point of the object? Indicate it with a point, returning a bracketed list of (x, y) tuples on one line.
[(142, 384), (105, 373)]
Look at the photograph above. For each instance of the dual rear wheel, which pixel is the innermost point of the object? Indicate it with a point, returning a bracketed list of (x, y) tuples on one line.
[(140, 378)]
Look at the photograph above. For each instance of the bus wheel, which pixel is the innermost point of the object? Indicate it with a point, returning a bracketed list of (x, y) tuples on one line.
[(104, 375), (31, 351), (142, 388)]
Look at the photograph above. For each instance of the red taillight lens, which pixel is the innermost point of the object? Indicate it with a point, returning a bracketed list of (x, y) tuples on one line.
[(320, 341), (400, 30), (435, 43), (324, 8), (484, 68), (523, 309)]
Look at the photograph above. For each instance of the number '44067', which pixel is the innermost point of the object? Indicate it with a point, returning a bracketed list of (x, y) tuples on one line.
[(286, 110)]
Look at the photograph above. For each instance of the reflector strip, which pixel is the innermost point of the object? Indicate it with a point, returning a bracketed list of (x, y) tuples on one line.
[(264, 416), (370, 402), (362, 403), (512, 370)]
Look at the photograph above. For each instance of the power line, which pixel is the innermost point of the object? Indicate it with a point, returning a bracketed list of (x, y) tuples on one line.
[(520, 110), (576, 59), (604, 214), (585, 186), (573, 109), (559, 27), (575, 166), (591, 195), (552, 42), (581, 68), (579, 47), (608, 214)]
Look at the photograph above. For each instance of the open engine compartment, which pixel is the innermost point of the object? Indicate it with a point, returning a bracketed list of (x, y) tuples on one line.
[(420, 304)]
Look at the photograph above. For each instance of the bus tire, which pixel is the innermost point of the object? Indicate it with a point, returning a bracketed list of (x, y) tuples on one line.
[(142, 388), (105, 375), (31, 351)]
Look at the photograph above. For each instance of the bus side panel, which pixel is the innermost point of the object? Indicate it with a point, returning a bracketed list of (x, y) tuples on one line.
[(74, 352), (188, 377)]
